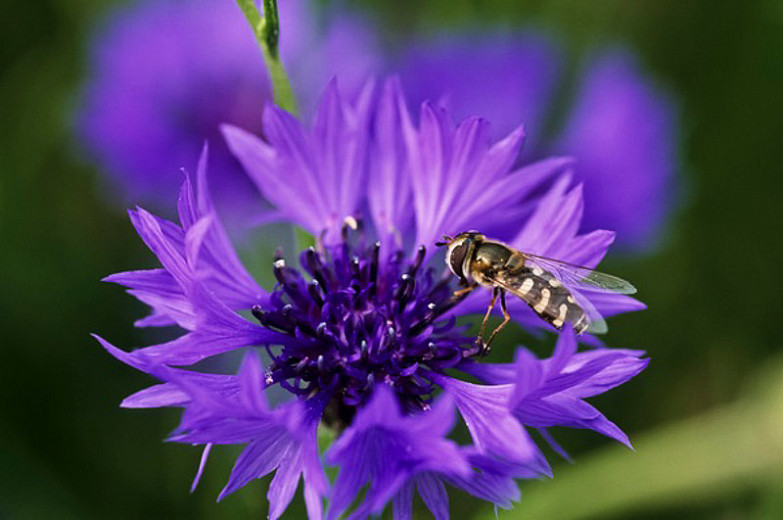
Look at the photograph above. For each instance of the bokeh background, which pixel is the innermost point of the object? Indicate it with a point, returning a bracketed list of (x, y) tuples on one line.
[(706, 417)]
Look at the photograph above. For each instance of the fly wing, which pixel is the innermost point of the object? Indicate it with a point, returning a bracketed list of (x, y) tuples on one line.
[(595, 322), (578, 276), (550, 299)]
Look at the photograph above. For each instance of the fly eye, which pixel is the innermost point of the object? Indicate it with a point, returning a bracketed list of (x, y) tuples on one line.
[(457, 258)]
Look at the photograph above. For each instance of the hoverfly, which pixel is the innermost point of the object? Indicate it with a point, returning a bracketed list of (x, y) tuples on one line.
[(543, 283)]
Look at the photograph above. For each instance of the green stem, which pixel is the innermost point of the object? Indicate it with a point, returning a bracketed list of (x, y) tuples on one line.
[(267, 31)]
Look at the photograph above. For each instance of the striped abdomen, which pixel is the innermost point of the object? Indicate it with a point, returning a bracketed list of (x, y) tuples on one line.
[(544, 293)]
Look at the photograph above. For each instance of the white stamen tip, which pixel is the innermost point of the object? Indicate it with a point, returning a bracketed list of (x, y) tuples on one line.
[(351, 222)]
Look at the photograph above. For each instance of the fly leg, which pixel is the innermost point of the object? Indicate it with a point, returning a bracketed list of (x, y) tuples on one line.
[(484, 347), (495, 291), (506, 319), (461, 293)]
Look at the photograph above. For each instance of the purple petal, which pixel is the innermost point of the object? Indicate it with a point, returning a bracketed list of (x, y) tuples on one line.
[(158, 289), (324, 167), (284, 484), (389, 183), (403, 503), (492, 373), (485, 409), (610, 304), (492, 480), (168, 309), (157, 396), (259, 458), (251, 383), (227, 274), (201, 465), (550, 392), (450, 164), (212, 340), (313, 501), (384, 449), (554, 444), (618, 372), (166, 241), (529, 377), (259, 160), (554, 223), (433, 493)]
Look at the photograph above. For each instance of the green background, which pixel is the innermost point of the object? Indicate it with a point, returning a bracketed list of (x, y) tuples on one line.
[(706, 418)]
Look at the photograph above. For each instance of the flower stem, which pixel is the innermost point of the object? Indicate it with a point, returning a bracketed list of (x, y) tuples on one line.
[(267, 31)]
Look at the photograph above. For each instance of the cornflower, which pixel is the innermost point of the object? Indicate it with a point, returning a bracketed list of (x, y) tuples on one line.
[(362, 332)]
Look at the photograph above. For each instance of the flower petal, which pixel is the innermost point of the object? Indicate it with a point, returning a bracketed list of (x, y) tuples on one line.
[(433, 493), (389, 184), (485, 409), (403, 503), (384, 449)]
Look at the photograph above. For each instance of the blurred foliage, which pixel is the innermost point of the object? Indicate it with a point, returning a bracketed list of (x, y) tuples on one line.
[(67, 451)]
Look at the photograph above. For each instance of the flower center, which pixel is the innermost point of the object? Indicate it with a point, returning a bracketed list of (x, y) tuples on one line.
[(354, 321)]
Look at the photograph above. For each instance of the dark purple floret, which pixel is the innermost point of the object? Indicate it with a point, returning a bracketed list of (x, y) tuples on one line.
[(358, 322)]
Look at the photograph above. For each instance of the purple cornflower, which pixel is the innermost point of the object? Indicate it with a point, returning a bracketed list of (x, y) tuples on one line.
[(362, 336), (621, 128), (164, 74)]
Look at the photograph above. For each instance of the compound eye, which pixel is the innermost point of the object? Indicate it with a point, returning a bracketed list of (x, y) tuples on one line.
[(457, 257)]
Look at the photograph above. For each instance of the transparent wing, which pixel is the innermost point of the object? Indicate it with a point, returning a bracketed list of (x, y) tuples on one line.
[(595, 322), (580, 277)]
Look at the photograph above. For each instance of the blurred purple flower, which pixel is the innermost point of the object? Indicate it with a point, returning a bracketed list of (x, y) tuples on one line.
[(506, 79), (621, 129), (165, 74), (363, 337)]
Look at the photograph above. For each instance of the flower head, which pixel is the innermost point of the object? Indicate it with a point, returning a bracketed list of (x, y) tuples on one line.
[(362, 333)]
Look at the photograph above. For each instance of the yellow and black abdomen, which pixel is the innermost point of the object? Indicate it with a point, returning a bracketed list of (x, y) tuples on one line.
[(544, 293)]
